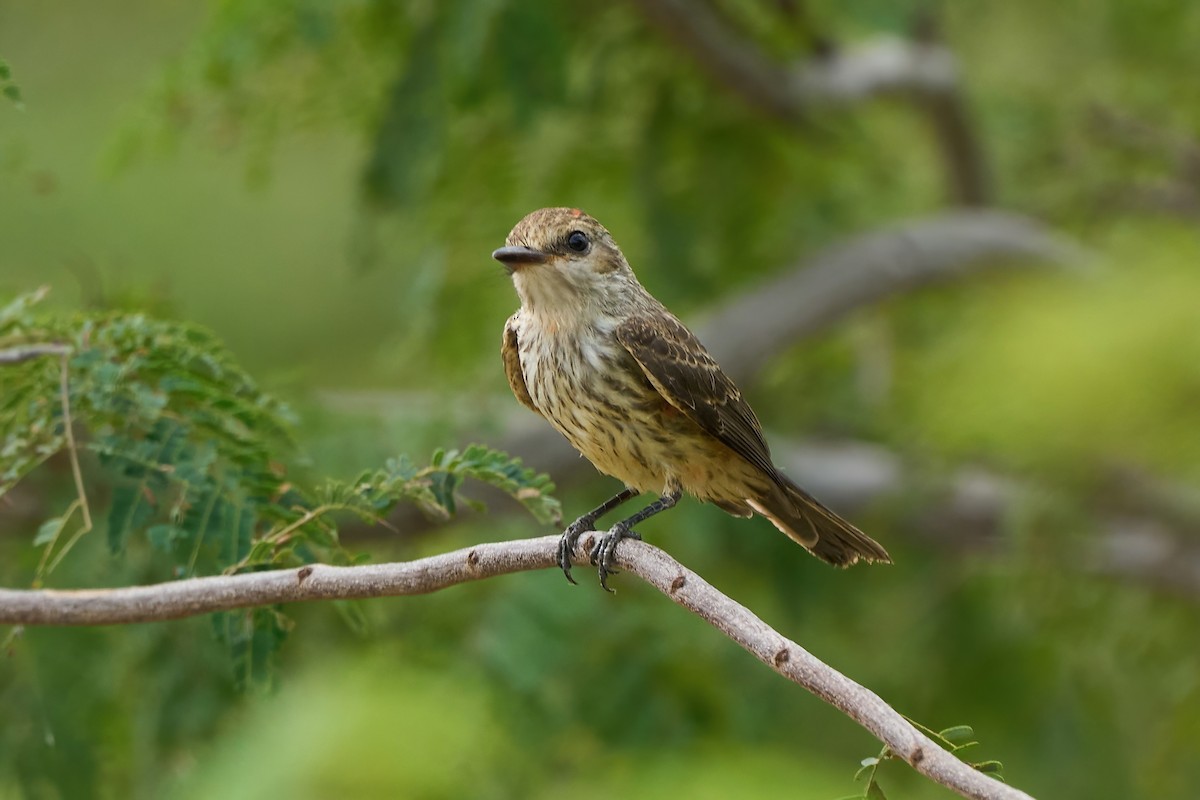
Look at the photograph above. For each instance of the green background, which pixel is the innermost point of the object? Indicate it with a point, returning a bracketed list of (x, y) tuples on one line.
[(238, 164)]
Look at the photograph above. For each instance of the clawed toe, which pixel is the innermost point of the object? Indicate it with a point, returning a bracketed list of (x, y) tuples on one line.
[(566, 545), (603, 555)]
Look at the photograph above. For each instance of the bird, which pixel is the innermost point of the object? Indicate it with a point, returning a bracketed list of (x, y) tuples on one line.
[(637, 394)]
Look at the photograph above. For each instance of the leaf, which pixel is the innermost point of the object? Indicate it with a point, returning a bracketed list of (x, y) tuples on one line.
[(253, 637), (48, 531), (21, 304), (957, 733), (875, 792), (129, 511), (443, 485), (497, 468), (992, 767), (354, 615), (402, 467), (164, 536)]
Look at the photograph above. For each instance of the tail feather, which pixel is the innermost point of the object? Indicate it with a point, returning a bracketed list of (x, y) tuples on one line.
[(822, 532)]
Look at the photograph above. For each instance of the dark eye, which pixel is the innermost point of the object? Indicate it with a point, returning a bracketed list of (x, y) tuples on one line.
[(578, 241)]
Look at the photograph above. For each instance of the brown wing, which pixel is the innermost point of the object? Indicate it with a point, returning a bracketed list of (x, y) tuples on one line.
[(510, 351), (688, 378)]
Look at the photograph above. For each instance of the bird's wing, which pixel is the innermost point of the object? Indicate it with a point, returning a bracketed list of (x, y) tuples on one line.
[(683, 372), (510, 351)]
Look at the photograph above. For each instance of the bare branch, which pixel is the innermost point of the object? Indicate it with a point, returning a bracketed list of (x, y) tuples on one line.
[(886, 65), (800, 666), (923, 70), (729, 58), (1142, 539), (882, 66), (15, 355), (194, 596), (321, 582), (746, 333)]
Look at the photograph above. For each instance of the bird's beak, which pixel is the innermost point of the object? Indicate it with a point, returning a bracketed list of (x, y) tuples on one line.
[(513, 258)]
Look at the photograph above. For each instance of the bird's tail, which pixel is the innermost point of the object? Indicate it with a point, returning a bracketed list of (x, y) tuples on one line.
[(823, 533)]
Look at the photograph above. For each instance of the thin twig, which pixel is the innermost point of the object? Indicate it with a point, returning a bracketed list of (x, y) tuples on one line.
[(42, 570), (72, 450), (80, 501), (320, 582), (28, 352)]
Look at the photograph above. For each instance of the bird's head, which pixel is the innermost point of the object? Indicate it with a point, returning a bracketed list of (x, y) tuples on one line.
[(562, 260)]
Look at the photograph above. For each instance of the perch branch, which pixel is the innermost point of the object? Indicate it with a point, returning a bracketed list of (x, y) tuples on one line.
[(320, 582)]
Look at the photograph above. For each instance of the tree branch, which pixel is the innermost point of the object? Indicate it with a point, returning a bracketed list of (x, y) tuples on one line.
[(15, 355), (1141, 528), (730, 59), (923, 70), (825, 288), (320, 582)]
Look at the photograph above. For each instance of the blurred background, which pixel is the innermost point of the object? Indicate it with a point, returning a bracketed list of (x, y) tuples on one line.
[(322, 185)]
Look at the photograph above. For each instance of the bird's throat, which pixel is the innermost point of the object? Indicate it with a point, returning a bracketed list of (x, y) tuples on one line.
[(552, 299)]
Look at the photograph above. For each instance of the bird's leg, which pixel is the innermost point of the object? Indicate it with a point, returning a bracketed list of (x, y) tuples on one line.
[(566, 545), (606, 547)]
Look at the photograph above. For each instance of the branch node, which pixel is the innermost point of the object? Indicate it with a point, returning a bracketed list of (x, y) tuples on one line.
[(473, 559), (678, 583), (303, 573), (782, 657), (917, 756)]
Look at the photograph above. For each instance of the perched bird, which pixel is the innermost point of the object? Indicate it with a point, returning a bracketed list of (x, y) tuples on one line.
[(636, 393)]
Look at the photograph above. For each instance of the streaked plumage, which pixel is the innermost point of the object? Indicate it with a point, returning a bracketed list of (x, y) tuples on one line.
[(637, 394)]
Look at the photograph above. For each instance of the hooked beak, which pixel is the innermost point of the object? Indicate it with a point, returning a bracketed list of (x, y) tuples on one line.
[(513, 258)]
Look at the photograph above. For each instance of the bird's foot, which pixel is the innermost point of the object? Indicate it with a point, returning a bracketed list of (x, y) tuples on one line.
[(605, 551), (566, 545)]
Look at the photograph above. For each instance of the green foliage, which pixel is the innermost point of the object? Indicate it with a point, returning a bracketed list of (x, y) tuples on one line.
[(955, 739), (435, 488), (457, 100), (253, 636), (1125, 339), (8, 87), (192, 451), (409, 136), (196, 459)]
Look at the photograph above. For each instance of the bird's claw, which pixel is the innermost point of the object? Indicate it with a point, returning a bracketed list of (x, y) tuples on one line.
[(566, 545), (604, 552)]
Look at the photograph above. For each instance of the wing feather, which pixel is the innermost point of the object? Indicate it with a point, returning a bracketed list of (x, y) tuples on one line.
[(683, 372), (510, 351)]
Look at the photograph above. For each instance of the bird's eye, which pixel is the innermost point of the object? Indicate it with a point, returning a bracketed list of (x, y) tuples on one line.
[(578, 241)]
